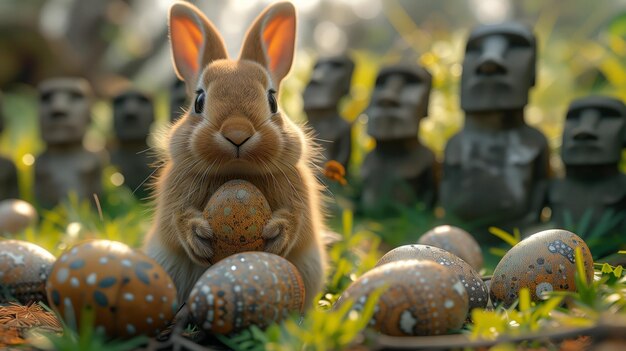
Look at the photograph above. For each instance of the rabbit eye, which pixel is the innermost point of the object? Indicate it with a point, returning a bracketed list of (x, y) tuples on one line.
[(198, 105), (272, 100)]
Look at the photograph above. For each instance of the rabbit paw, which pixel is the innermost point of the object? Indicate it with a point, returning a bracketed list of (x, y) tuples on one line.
[(276, 232), (197, 233)]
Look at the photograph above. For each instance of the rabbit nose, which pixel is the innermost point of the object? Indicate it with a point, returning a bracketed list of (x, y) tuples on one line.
[(237, 131)]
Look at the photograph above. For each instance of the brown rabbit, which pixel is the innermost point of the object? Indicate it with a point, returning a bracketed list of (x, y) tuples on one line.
[(234, 130)]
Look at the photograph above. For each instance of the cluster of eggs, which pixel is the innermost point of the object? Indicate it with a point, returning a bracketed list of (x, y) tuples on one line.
[(427, 288), (431, 290), (244, 286)]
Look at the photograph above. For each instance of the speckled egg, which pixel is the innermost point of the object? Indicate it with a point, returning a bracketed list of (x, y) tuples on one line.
[(542, 262), (477, 291), (419, 298), (456, 241), (128, 291), (24, 268), (16, 215), (237, 213), (249, 288)]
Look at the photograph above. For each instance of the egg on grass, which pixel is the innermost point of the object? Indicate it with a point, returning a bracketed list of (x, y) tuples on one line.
[(249, 288), (419, 297), (456, 241), (543, 262), (16, 215), (470, 279), (128, 292), (24, 269)]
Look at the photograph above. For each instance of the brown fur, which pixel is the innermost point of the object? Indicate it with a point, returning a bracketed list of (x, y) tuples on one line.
[(277, 159)]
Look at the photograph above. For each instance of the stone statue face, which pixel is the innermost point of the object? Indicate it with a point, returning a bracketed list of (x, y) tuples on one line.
[(178, 99), (399, 101), (64, 110), (133, 114), (594, 132), (498, 68), (329, 82)]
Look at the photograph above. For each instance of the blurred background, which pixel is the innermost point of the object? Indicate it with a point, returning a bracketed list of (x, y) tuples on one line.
[(117, 44)]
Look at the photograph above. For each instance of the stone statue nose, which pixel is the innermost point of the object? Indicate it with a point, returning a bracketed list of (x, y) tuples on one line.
[(586, 130), (237, 131), (390, 92), (490, 66), (492, 58)]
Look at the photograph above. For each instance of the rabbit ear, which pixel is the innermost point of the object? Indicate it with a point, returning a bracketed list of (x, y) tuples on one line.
[(195, 41), (270, 41)]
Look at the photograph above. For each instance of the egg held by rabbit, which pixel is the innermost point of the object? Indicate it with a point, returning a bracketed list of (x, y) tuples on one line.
[(237, 212), (233, 129)]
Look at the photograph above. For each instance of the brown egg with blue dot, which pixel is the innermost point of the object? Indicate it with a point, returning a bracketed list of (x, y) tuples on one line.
[(477, 291), (543, 262), (128, 292), (249, 288), (419, 297), (24, 268), (237, 213)]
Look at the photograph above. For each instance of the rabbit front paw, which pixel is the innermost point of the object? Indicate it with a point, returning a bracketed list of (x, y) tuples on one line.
[(276, 232), (197, 234)]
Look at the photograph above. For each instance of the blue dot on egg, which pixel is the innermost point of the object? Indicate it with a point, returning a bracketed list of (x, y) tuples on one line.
[(107, 282), (144, 265), (142, 276), (56, 297), (77, 264), (100, 298)]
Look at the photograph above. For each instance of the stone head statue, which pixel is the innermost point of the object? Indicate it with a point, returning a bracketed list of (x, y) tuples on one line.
[(133, 114), (329, 82), (64, 110), (499, 67), (178, 99), (594, 132), (399, 102)]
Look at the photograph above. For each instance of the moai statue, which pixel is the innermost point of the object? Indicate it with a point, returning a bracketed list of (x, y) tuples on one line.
[(133, 115), (329, 82), (496, 168), (8, 172), (178, 99), (593, 139), (400, 170), (65, 166)]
